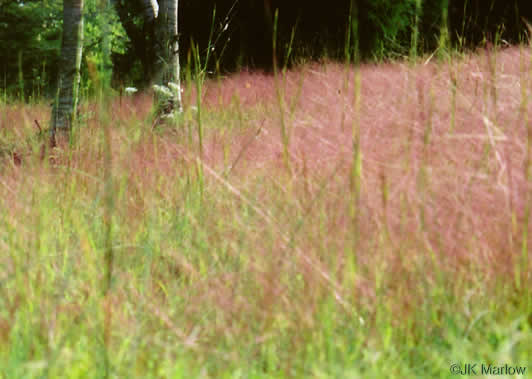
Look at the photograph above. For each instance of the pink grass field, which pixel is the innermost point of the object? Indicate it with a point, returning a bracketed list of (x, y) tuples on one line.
[(444, 171), (468, 180)]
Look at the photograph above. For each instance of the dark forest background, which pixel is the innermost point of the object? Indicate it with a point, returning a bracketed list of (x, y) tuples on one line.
[(240, 34)]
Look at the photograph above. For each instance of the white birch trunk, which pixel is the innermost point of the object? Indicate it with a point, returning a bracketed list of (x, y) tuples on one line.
[(151, 10), (169, 56), (174, 69)]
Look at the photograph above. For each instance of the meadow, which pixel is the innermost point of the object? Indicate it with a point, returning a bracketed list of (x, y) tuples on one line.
[(333, 220)]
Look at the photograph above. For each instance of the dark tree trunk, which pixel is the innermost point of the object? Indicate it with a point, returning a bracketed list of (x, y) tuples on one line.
[(63, 110)]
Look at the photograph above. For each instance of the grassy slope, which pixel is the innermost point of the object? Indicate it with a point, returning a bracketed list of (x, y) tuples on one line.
[(343, 223)]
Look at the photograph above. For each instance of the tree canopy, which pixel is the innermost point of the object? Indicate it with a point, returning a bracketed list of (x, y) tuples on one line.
[(240, 34)]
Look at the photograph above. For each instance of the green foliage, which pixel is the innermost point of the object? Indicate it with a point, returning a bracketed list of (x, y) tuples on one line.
[(30, 42), (30, 37), (400, 28), (104, 37), (393, 21)]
